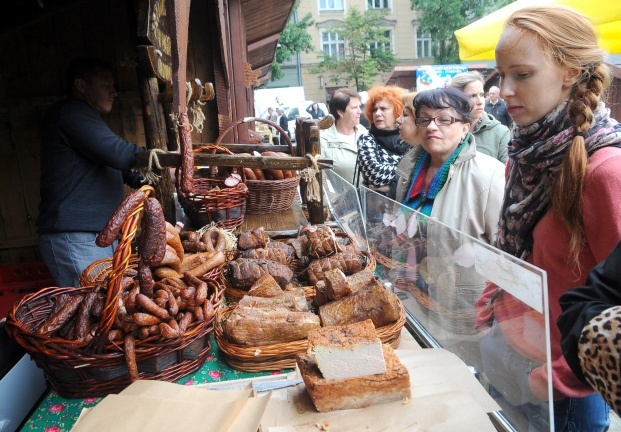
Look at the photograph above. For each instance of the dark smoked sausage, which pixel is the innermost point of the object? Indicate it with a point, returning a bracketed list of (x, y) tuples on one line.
[(111, 231), (153, 242), (187, 154)]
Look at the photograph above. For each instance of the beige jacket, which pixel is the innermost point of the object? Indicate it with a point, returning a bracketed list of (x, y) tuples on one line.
[(343, 154), (470, 202)]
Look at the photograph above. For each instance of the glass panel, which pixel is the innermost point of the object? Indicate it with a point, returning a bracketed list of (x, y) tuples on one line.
[(442, 277), (341, 197)]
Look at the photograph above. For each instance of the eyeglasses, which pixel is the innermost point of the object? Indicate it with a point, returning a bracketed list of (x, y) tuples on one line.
[(440, 121)]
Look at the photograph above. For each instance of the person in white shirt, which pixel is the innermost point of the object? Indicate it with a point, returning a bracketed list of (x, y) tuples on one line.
[(340, 141)]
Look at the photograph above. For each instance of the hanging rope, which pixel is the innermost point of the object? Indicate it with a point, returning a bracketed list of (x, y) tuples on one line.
[(195, 109), (149, 175), (310, 176)]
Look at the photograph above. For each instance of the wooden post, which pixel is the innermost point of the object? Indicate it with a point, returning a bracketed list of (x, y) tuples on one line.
[(315, 208), (155, 134)]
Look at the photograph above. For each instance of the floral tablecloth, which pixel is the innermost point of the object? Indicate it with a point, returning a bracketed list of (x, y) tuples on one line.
[(58, 414)]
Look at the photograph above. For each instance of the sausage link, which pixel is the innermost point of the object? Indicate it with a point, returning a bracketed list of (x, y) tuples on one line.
[(111, 231), (169, 330), (59, 319), (129, 343), (83, 319), (184, 322), (151, 307), (153, 240), (145, 279), (145, 319)]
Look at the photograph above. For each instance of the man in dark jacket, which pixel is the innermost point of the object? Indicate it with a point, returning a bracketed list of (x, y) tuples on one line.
[(83, 168), (283, 122), (497, 107)]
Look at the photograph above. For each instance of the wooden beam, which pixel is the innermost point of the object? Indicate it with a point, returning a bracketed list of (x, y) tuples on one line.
[(170, 160), (262, 42)]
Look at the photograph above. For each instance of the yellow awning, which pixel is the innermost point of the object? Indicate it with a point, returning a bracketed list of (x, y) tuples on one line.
[(477, 41)]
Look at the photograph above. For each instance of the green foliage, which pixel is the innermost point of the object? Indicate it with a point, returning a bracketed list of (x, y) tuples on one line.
[(294, 39), (440, 18), (360, 61)]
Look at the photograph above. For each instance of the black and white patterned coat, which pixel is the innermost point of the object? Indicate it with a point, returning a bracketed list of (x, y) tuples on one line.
[(379, 153)]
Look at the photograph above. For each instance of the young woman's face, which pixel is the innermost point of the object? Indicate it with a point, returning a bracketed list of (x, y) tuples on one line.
[(407, 128), (530, 83), (384, 115)]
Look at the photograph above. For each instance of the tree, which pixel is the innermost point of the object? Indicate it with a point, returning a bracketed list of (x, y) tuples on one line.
[(294, 39), (365, 53), (440, 18)]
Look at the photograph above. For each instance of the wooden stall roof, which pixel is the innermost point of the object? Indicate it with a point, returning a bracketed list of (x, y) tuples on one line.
[(265, 20)]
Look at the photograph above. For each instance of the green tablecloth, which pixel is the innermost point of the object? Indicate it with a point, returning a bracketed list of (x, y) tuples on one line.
[(58, 414)]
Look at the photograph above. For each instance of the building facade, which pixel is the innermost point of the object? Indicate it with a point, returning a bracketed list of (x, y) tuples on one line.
[(401, 26)]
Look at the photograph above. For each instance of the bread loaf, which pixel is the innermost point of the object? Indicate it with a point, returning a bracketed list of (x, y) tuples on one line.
[(373, 302), (360, 392), (263, 326), (348, 351)]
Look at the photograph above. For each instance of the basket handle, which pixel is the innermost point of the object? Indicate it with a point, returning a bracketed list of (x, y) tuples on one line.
[(120, 262), (260, 120)]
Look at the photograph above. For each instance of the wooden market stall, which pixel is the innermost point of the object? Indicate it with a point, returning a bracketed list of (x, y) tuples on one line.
[(39, 39)]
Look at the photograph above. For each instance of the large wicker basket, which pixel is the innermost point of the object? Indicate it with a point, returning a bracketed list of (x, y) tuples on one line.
[(282, 355), (268, 196), (99, 367), (212, 201)]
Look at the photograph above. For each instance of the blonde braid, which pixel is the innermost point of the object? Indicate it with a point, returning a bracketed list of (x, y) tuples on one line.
[(567, 197)]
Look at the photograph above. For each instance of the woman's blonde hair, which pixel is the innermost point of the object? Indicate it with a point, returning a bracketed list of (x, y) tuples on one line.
[(408, 101), (570, 41), (391, 93), (461, 80)]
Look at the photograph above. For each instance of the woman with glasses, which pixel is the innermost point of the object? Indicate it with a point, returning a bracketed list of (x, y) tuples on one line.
[(443, 176), (491, 136)]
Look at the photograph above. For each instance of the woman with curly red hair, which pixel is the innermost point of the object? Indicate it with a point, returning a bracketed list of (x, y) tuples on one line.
[(381, 148)]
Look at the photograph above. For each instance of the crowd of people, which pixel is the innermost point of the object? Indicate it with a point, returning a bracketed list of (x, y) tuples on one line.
[(534, 170)]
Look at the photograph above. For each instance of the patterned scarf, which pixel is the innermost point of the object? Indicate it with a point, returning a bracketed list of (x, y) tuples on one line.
[(536, 153), (419, 199)]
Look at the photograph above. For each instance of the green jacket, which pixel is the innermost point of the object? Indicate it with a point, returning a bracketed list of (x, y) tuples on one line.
[(492, 137)]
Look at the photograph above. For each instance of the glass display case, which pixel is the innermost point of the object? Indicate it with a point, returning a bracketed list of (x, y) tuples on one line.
[(451, 284)]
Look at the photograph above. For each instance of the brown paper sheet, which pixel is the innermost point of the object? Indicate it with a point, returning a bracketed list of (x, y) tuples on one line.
[(443, 412), (161, 406), (445, 397)]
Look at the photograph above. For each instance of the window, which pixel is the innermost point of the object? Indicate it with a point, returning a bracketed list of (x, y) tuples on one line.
[(378, 4), (333, 45), (424, 44), (331, 5), (383, 46)]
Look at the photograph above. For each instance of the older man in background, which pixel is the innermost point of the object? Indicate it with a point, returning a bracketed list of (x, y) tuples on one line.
[(497, 107)]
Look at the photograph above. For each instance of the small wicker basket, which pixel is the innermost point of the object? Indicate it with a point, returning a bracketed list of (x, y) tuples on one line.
[(211, 200), (268, 196), (77, 369)]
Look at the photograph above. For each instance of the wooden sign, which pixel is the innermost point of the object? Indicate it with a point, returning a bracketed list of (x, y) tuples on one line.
[(155, 55)]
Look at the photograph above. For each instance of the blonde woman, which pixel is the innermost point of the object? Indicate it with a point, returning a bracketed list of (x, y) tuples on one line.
[(562, 208)]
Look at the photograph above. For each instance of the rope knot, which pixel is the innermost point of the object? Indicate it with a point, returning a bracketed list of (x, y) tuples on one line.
[(310, 176), (148, 173)]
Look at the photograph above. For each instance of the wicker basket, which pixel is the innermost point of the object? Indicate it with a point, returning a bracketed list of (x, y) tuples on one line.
[(282, 356), (78, 369), (212, 201), (268, 196)]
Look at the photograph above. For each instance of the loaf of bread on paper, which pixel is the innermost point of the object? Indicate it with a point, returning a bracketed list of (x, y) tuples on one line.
[(360, 392)]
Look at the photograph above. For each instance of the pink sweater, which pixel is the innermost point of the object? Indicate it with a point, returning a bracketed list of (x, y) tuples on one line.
[(602, 225)]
